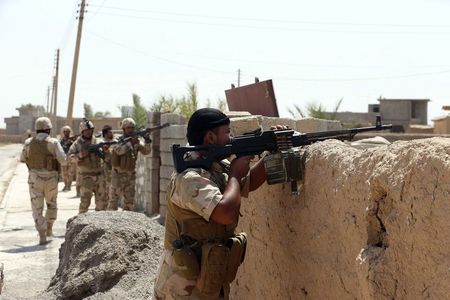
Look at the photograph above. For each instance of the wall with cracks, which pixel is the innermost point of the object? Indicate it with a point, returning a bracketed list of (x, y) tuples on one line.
[(369, 224)]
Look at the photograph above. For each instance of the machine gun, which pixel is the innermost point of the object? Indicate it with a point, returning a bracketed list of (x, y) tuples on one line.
[(142, 133), (285, 162), (98, 148)]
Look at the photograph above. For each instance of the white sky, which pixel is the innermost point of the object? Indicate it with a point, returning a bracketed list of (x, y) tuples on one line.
[(318, 50)]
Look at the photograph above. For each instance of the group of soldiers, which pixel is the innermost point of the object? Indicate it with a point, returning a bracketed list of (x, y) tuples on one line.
[(103, 167)]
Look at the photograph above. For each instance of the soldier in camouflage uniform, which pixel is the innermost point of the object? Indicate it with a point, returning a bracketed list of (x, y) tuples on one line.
[(123, 160), (43, 154), (203, 206), (67, 171), (91, 171), (107, 167)]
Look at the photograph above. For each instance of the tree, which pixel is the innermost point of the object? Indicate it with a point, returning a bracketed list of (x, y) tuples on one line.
[(164, 104), (315, 110), (139, 112), (88, 112), (101, 114), (188, 104), (125, 111)]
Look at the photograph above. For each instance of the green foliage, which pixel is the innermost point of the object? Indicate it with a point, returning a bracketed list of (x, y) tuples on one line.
[(186, 104), (88, 112), (315, 110), (139, 112), (101, 114)]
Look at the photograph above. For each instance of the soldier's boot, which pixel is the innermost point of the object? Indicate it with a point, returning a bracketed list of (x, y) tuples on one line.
[(49, 228), (42, 237), (78, 191)]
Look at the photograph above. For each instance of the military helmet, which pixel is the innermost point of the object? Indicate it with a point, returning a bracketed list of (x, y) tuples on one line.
[(66, 128), (43, 123), (86, 124), (127, 122)]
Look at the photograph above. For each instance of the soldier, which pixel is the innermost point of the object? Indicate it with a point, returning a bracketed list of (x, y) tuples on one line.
[(90, 169), (107, 167), (66, 171), (202, 214), (43, 154), (123, 160)]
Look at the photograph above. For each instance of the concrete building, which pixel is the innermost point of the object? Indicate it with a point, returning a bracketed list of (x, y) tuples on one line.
[(25, 121)]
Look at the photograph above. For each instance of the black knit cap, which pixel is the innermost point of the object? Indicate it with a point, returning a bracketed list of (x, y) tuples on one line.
[(201, 121)]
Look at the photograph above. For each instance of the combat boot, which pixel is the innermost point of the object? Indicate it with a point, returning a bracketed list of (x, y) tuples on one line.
[(42, 237), (78, 191), (49, 228)]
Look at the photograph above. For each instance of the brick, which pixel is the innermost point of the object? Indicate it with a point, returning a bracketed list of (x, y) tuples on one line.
[(174, 132), (173, 118), (162, 198), (242, 125), (166, 171), (167, 143), (166, 158), (266, 122)]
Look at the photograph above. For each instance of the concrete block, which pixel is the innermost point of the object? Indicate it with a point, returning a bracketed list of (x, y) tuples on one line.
[(174, 132), (167, 143), (163, 210), (162, 198), (334, 125), (243, 125), (166, 158), (163, 184), (166, 171), (173, 118), (311, 125)]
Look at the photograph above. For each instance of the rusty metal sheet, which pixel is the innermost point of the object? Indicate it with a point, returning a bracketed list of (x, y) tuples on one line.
[(257, 99)]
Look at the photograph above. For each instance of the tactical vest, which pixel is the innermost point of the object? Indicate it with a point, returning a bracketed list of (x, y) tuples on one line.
[(40, 157), (90, 162), (187, 224), (126, 162)]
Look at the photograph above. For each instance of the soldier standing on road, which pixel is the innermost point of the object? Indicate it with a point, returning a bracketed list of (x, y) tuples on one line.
[(67, 170), (43, 154), (90, 166), (107, 167), (202, 251), (123, 160)]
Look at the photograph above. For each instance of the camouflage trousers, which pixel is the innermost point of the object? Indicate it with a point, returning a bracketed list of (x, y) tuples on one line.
[(68, 174), (43, 188), (172, 285), (108, 173), (122, 184), (92, 184)]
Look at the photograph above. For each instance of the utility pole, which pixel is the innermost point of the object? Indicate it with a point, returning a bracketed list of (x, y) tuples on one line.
[(239, 77), (55, 95), (52, 98), (48, 99), (75, 65)]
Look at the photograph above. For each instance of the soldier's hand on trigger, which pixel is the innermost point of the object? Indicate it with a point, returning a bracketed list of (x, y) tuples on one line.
[(134, 140), (279, 127), (106, 148), (240, 166)]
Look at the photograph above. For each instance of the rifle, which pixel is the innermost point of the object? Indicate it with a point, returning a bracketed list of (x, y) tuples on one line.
[(142, 133), (283, 165), (98, 148)]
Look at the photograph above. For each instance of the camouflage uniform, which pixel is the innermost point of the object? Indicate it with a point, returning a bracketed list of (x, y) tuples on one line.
[(197, 191), (90, 175), (41, 154), (107, 169), (67, 170), (123, 177)]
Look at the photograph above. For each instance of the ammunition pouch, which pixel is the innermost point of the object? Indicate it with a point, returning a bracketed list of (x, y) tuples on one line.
[(220, 262), (187, 262)]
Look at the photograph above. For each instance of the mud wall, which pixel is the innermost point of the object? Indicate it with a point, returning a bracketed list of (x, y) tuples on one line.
[(368, 224)]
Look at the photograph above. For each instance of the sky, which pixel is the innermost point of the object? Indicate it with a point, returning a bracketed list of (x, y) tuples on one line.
[(314, 51)]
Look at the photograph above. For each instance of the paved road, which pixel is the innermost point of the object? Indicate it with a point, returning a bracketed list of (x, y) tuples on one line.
[(28, 265), (9, 155)]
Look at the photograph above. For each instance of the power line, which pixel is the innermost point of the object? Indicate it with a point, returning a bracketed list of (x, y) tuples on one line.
[(272, 28), (274, 77), (274, 20)]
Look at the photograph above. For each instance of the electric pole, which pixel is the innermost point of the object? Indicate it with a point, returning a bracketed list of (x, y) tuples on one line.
[(239, 77), (55, 94), (48, 99), (52, 98), (75, 65)]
